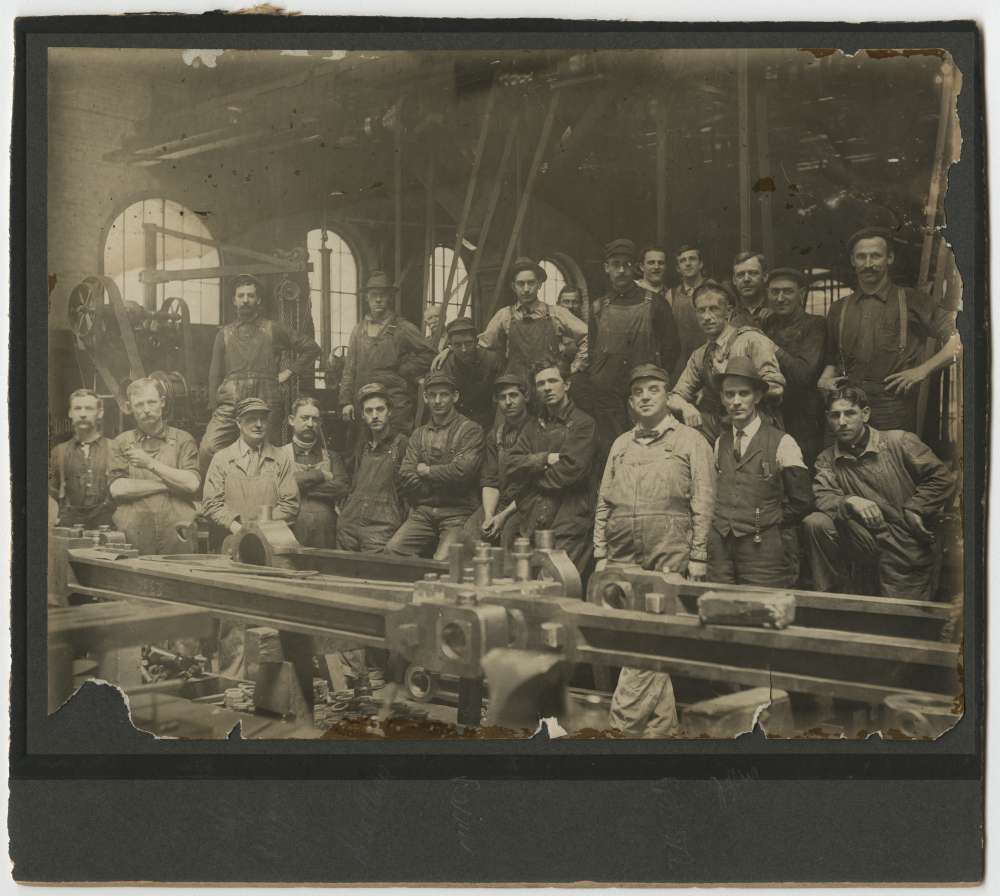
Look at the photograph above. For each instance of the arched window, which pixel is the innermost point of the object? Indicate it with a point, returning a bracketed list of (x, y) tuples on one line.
[(438, 274), (824, 290), (165, 236), (556, 280), (340, 301)]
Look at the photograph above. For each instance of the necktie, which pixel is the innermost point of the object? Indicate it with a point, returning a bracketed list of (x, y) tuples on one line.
[(738, 444)]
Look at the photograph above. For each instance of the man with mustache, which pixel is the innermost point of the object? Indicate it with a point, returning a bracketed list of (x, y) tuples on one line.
[(632, 326), (763, 490), (551, 466), (800, 345), (654, 509), (750, 282), (319, 474), (680, 298), (877, 495), (877, 335), (388, 349), (154, 475), (78, 468), (245, 364)]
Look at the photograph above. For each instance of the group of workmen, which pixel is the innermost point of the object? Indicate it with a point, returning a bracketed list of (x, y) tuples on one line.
[(713, 429)]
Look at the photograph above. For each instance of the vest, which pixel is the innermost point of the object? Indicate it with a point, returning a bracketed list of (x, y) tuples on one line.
[(749, 492)]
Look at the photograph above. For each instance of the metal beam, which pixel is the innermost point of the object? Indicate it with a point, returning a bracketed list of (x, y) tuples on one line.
[(743, 115), (228, 270)]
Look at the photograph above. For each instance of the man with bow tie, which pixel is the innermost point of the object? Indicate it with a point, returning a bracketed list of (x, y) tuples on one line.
[(655, 509), (763, 490)]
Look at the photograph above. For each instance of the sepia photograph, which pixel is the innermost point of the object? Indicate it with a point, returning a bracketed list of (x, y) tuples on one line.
[(591, 393)]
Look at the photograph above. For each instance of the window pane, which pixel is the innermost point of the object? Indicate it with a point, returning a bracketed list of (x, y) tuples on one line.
[(344, 287), (553, 285), (440, 266), (125, 256)]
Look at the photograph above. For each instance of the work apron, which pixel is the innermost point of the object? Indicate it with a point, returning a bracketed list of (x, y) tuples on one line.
[(373, 511), (316, 523), (530, 341), (150, 523)]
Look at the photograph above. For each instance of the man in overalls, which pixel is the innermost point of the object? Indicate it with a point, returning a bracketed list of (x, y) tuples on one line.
[(696, 396), (245, 364), (154, 475), (439, 474), (654, 509), (78, 468), (374, 509), (551, 465), (632, 326), (763, 490), (529, 330), (387, 349), (680, 298), (319, 474), (250, 474), (496, 520), (876, 336), (474, 368), (800, 346)]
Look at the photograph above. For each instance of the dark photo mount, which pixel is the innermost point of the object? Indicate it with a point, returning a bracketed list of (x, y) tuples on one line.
[(95, 800)]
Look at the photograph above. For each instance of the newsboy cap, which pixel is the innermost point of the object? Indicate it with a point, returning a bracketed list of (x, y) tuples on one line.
[(620, 247), (510, 379), (372, 390), (439, 378), (379, 280), (648, 372), (526, 264), (867, 233), (252, 405), (788, 274), (460, 325)]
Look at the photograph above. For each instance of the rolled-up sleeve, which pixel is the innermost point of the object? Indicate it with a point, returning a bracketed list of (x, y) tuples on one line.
[(761, 351), (495, 334)]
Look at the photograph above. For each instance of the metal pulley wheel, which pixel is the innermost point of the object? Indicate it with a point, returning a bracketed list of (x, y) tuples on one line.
[(85, 311), (171, 326), (288, 291)]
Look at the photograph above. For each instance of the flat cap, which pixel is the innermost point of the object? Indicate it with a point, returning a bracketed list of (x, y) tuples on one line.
[(620, 247), (526, 264), (866, 233), (252, 405), (510, 379), (460, 325), (371, 390), (379, 280), (789, 274), (745, 368), (439, 378), (648, 372)]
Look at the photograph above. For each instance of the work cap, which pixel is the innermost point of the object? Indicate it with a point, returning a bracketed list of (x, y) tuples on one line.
[(526, 264), (379, 280), (370, 390), (460, 325), (620, 247), (510, 379), (252, 405), (868, 233), (788, 274), (439, 378), (648, 372), (745, 368)]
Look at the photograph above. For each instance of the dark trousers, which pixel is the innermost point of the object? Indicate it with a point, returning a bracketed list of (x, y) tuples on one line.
[(739, 560), (427, 530)]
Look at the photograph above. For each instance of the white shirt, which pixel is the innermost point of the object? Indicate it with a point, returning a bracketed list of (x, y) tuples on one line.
[(788, 455)]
